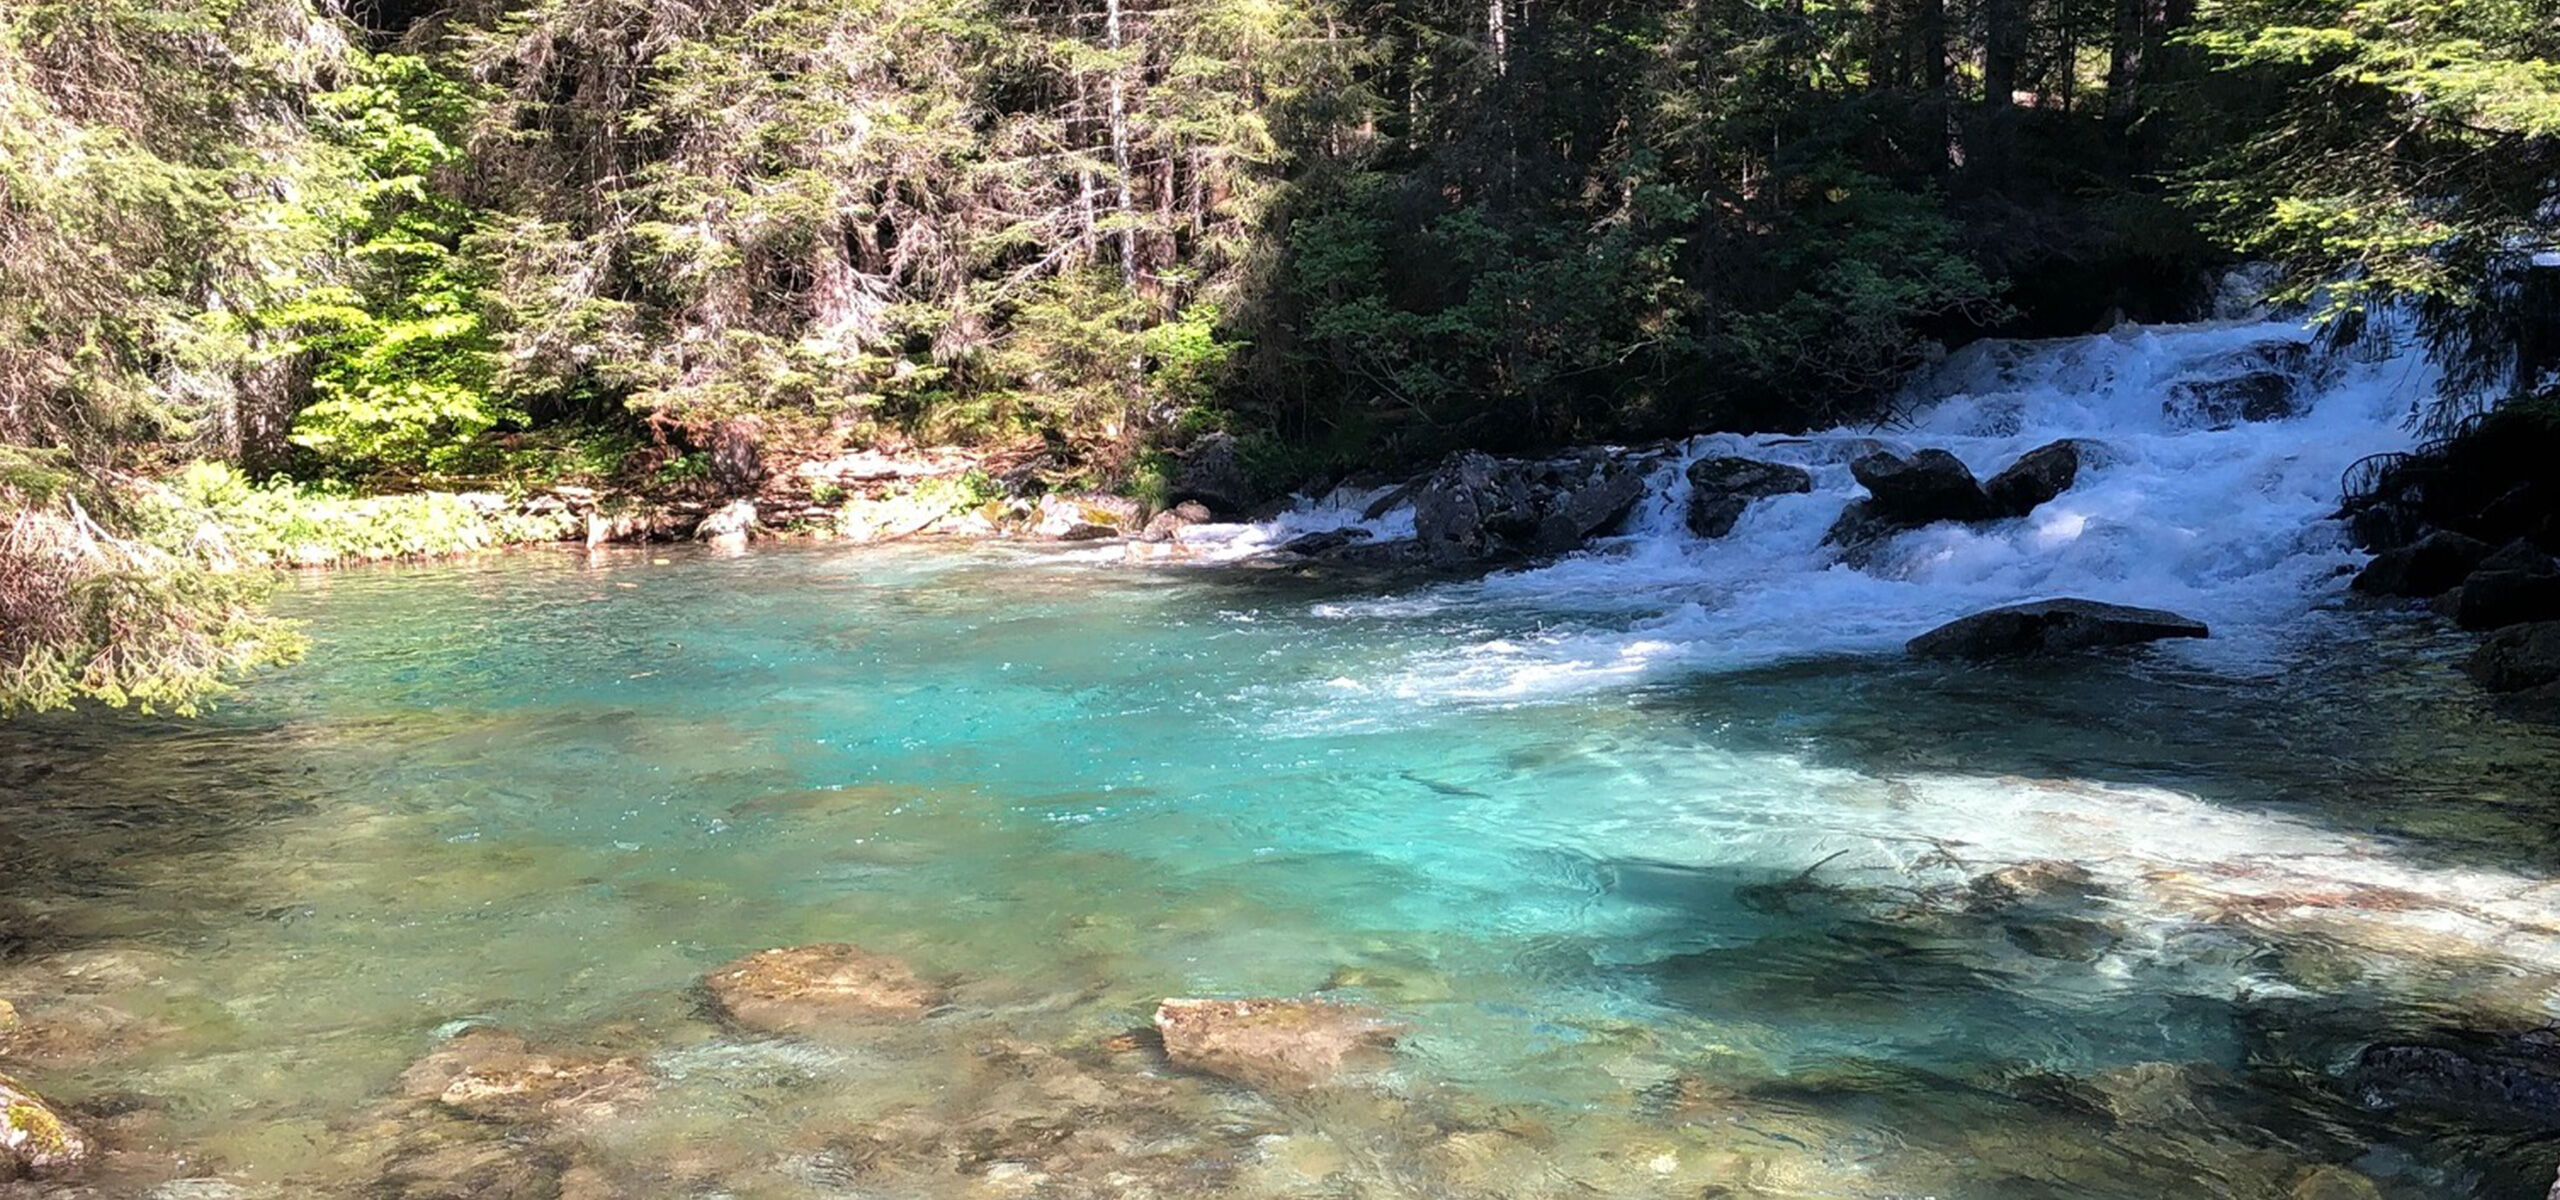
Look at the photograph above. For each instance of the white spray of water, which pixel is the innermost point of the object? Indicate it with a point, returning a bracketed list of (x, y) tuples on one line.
[(2229, 525)]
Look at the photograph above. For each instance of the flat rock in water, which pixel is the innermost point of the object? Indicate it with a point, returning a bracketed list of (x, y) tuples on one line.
[(1288, 1045), (798, 989), (34, 1139), (493, 1075), (2051, 627)]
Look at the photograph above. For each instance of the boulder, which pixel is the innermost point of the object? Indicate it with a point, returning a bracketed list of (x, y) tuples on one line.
[(2039, 475), (2430, 566), (1927, 487), (1325, 541), (2051, 627), (728, 526), (492, 1075), (1167, 525), (1084, 516), (1475, 506), (34, 1139), (1284, 1045), (2517, 657), (1721, 488), (2497, 599), (2233, 400), (2241, 293), (2523, 556), (800, 989), (1213, 473)]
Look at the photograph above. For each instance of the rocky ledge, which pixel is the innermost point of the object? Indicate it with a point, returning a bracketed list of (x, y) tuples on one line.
[(35, 1139)]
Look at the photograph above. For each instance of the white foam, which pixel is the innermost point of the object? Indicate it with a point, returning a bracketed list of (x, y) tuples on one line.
[(2226, 525)]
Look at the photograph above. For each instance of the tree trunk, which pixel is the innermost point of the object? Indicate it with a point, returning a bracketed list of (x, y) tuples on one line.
[(1497, 37), (1125, 210), (2004, 37), (2125, 57)]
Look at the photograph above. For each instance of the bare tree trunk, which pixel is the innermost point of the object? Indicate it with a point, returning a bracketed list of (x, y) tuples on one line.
[(1497, 37), (2124, 61), (1120, 148)]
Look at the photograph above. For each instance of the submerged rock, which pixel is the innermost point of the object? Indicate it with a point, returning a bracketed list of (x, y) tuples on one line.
[(798, 989), (1287, 1045), (2511, 1081), (2052, 627), (493, 1075), (2041, 881), (34, 1139), (2430, 566), (1720, 489), (2517, 657), (2039, 475)]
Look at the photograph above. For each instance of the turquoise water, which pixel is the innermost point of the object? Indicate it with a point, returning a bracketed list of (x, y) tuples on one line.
[(1658, 936)]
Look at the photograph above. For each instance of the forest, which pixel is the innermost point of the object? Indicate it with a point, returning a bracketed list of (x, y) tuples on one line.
[(262, 259)]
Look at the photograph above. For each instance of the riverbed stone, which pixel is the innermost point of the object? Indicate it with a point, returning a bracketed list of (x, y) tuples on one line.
[(1721, 488), (2430, 566), (34, 1138), (1084, 516), (2039, 475), (1273, 1044), (2517, 657), (2052, 627), (493, 1075), (801, 989)]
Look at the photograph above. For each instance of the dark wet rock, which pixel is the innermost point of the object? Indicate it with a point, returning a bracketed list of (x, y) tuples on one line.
[(2511, 1081), (1213, 473), (2517, 657), (1720, 489), (2380, 525), (2522, 556), (1859, 530), (1324, 542), (801, 989), (493, 1075), (1283, 1045), (2430, 566), (2241, 292), (1925, 488), (1164, 526), (2234, 400), (2051, 627), (34, 1138), (2497, 599), (2039, 475), (1476, 507)]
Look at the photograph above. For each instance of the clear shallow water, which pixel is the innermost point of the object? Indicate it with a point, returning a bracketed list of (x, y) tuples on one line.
[(1718, 919), (1667, 861)]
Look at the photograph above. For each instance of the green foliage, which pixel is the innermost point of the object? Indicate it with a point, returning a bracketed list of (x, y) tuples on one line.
[(402, 358), (2410, 148), (283, 523)]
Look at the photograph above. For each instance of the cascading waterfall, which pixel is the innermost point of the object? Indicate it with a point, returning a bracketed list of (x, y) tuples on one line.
[(2212, 459)]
